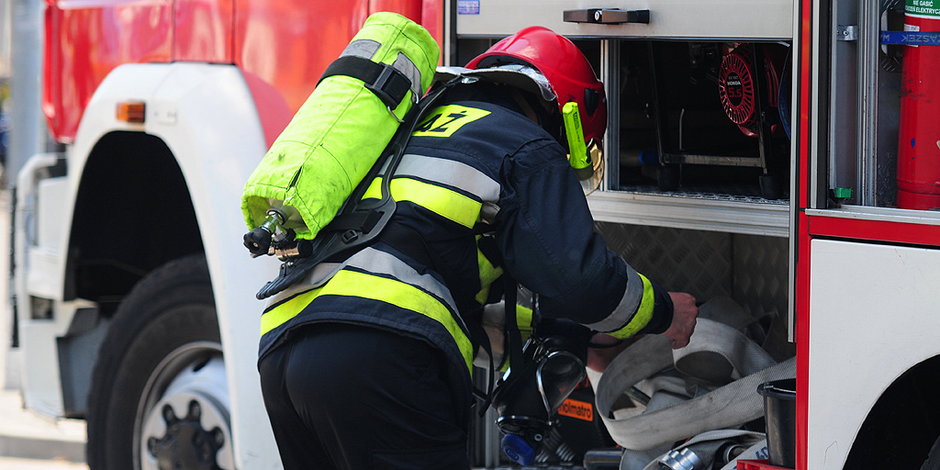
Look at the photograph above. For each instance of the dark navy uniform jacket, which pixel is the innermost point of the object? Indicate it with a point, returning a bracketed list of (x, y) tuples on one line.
[(482, 191)]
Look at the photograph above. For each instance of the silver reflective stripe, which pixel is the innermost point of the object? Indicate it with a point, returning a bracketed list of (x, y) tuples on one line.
[(380, 262), (452, 173), (404, 65), (629, 303), (365, 48), (376, 262), (317, 277)]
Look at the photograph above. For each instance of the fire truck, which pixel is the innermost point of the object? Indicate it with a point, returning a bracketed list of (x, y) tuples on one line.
[(783, 154)]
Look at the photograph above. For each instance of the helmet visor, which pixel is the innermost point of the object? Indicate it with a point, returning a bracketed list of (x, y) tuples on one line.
[(522, 76)]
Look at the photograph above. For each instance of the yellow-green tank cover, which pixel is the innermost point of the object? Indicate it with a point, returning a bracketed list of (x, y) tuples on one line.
[(340, 131)]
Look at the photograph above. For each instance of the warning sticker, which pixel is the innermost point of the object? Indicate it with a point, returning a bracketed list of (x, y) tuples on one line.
[(928, 8), (468, 7), (577, 409), (445, 120)]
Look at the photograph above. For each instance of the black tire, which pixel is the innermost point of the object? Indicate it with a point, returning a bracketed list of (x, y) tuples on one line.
[(162, 359), (933, 458)]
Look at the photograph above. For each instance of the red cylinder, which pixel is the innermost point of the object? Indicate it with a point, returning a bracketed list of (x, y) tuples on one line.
[(919, 126)]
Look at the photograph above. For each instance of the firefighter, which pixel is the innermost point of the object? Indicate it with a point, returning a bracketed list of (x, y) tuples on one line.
[(367, 364)]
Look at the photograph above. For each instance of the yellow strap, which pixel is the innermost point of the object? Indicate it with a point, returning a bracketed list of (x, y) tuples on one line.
[(367, 286), (524, 324), (488, 274), (442, 201), (524, 321), (643, 315), (482, 295)]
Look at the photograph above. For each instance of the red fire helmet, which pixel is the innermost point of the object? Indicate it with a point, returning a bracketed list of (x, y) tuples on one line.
[(564, 66)]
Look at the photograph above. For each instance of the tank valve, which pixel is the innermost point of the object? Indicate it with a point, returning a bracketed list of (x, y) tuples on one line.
[(258, 241)]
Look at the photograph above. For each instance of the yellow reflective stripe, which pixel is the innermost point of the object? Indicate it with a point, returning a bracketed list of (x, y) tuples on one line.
[(488, 274), (524, 321), (367, 286), (643, 315), (280, 314), (482, 295), (442, 201)]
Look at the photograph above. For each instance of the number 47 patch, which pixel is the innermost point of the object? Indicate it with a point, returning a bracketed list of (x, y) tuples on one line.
[(445, 120)]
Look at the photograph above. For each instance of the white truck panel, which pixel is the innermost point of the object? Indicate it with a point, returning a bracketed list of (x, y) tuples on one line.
[(42, 279), (864, 298), (43, 246), (206, 116), (42, 384), (687, 19), (52, 192), (37, 336), (39, 237)]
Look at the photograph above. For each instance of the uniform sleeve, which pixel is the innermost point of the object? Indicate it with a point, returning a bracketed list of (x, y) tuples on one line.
[(547, 241)]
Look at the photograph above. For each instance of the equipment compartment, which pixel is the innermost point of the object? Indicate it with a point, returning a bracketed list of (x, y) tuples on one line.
[(702, 117), (718, 185)]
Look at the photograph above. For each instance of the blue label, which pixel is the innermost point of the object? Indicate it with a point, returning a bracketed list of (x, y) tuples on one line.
[(763, 453), (910, 38), (468, 7)]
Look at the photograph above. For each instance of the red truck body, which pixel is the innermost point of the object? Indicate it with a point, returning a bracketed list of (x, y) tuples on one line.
[(270, 41)]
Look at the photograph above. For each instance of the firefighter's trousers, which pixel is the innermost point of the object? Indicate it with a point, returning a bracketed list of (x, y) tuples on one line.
[(355, 397)]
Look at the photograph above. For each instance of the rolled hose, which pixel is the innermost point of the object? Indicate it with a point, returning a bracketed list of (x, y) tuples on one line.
[(728, 406)]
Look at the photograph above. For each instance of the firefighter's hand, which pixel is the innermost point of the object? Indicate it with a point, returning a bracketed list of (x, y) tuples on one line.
[(684, 313)]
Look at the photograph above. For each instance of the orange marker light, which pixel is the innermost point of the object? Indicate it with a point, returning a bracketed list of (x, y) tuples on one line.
[(131, 111)]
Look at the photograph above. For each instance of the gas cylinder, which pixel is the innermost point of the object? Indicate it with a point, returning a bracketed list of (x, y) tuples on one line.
[(341, 130), (919, 131)]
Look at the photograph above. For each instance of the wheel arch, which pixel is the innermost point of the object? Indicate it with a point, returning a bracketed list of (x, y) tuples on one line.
[(901, 427), (133, 212)]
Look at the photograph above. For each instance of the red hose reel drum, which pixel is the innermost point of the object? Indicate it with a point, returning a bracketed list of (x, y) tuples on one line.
[(737, 87), (919, 130)]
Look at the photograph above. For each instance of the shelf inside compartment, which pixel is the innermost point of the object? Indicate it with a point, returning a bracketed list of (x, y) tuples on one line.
[(740, 194)]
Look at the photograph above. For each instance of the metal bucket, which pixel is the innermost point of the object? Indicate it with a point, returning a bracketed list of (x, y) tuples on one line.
[(780, 417)]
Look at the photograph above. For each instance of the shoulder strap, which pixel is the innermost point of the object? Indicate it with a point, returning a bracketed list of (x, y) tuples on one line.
[(387, 82), (512, 324)]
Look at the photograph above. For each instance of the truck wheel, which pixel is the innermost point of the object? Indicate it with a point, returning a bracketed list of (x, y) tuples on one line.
[(159, 398), (933, 459)]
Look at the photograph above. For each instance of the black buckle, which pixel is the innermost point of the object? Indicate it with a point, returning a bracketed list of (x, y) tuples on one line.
[(350, 235), (381, 83)]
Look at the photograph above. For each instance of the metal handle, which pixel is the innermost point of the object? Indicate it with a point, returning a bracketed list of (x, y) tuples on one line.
[(607, 16)]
